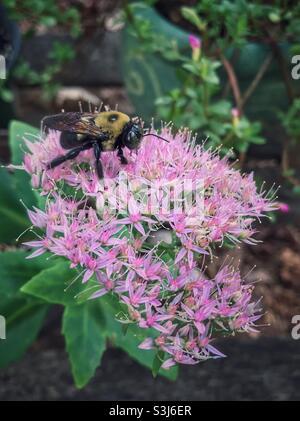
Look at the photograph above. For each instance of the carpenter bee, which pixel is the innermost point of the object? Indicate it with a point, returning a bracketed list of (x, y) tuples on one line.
[(100, 131)]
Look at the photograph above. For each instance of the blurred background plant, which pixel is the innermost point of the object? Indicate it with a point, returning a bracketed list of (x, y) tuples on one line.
[(76, 18), (33, 16), (212, 89)]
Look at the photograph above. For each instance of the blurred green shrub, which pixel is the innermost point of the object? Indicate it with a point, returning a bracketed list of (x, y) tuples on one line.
[(209, 98), (32, 15)]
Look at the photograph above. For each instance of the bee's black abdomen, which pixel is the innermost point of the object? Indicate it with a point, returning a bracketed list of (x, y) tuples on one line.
[(69, 140)]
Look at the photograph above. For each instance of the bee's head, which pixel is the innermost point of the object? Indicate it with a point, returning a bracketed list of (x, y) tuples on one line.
[(133, 134)]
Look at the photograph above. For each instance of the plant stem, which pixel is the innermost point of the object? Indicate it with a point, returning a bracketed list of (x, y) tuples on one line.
[(284, 70), (131, 19), (239, 98), (233, 82), (259, 75), (235, 56), (291, 96)]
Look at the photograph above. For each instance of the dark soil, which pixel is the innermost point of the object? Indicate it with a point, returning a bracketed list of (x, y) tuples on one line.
[(264, 369)]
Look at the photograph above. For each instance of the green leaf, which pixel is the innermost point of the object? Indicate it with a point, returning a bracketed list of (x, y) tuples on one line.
[(41, 201), (6, 95), (134, 336), (57, 285), (17, 132), (258, 140), (191, 15), (23, 322), (221, 109), (274, 16), (192, 68), (15, 270), (12, 214), (157, 362), (24, 315), (84, 331)]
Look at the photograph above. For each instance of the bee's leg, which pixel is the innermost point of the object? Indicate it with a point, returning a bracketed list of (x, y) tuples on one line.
[(120, 154), (70, 155), (97, 153)]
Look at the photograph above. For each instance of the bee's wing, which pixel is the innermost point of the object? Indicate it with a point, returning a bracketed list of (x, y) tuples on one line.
[(81, 123)]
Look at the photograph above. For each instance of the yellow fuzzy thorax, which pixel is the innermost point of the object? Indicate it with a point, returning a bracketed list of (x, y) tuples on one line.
[(112, 122)]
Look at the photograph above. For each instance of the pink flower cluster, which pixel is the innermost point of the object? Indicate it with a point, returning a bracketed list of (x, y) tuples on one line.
[(153, 260)]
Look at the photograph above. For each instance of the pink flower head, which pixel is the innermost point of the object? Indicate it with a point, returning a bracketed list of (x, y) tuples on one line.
[(284, 207), (195, 42), (106, 232), (235, 113)]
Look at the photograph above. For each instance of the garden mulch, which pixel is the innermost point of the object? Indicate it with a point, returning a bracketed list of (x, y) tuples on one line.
[(255, 369)]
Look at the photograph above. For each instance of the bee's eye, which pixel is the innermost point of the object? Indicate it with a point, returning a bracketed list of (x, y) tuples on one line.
[(133, 139)]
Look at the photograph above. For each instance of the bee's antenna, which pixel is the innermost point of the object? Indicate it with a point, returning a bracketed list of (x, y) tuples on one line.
[(156, 135), (80, 106)]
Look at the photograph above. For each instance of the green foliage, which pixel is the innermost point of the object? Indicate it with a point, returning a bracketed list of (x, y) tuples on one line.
[(15, 185), (291, 122), (24, 315), (24, 319), (47, 14), (157, 362), (193, 17), (58, 285), (55, 285), (84, 331), (16, 270), (206, 95), (199, 103), (129, 339), (13, 216), (17, 132)]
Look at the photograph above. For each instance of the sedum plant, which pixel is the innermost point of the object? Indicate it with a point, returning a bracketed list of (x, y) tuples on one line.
[(126, 256)]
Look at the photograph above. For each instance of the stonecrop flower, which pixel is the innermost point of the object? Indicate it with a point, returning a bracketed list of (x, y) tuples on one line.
[(195, 44), (145, 233)]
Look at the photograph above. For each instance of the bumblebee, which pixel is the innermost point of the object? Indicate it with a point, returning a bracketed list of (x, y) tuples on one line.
[(100, 131)]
